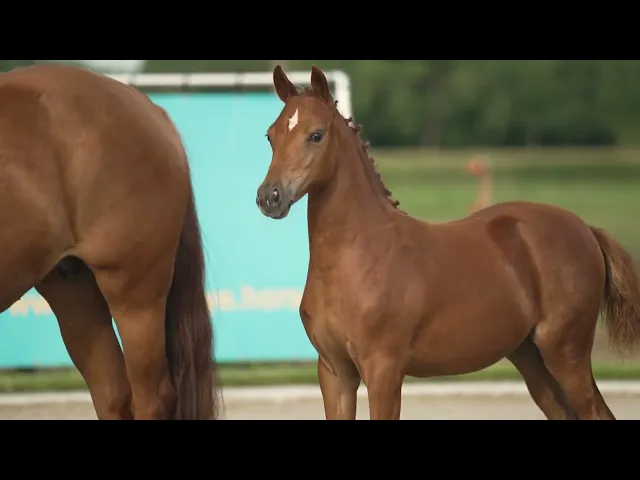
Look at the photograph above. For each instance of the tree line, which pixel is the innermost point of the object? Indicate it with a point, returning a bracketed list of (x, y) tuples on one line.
[(453, 103)]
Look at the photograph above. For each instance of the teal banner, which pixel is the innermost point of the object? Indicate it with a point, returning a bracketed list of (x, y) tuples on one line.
[(256, 267)]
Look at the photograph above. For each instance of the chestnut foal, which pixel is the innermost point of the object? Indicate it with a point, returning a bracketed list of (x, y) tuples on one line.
[(388, 295)]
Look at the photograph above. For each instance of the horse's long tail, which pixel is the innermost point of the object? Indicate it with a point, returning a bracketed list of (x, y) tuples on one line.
[(621, 306), (189, 333)]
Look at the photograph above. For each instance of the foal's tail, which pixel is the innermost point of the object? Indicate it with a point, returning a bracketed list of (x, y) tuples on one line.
[(189, 334), (621, 306)]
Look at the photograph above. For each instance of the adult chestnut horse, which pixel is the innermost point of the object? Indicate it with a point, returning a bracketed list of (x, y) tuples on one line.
[(98, 215), (388, 295)]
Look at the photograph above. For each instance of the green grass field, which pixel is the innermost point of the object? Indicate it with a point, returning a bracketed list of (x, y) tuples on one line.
[(265, 375), (601, 185)]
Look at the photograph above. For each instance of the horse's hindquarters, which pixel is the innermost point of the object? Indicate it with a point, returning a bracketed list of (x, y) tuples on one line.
[(535, 270)]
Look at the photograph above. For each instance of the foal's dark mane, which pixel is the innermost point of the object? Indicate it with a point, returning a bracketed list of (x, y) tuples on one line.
[(369, 166)]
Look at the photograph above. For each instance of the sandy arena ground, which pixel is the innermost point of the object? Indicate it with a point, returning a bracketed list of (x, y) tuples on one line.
[(447, 402)]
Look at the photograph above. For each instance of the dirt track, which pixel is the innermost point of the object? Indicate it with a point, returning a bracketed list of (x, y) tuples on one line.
[(477, 407)]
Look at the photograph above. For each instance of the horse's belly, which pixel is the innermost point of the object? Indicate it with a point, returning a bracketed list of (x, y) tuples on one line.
[(31, 243), (458, 341)]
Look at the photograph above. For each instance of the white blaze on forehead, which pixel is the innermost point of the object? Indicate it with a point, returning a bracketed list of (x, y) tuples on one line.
[(293, 121)]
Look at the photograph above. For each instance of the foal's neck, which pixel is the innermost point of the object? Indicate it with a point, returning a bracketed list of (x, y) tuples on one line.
[(349, 204)]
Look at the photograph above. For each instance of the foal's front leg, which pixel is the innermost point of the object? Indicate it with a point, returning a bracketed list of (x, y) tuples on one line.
[(339, 391), (383, 379)]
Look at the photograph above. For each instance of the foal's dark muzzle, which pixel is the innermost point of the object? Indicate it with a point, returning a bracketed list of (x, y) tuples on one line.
[(273, 200)]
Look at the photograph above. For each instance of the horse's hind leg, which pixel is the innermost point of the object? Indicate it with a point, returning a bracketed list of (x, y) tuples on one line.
[(566, 349), (544, 389), (87, 331), (136, 293)]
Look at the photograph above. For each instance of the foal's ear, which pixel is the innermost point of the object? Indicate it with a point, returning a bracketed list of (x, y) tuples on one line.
[(284, 88), (320, 85)]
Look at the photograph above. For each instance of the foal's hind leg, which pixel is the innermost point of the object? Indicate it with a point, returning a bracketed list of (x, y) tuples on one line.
[(566, 349), (87, 331), (544, 389), (603, 408)]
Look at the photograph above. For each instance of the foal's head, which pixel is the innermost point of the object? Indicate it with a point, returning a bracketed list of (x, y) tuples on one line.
[(301, 139)]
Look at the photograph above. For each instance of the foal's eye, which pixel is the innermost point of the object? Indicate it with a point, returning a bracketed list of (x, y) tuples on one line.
[(268, 138), (316, 137)]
